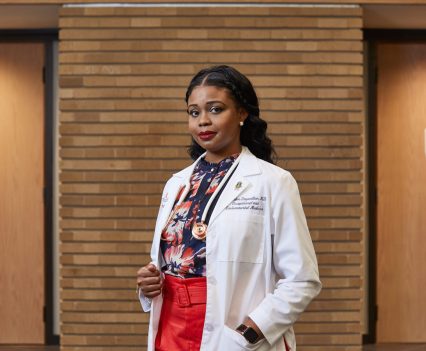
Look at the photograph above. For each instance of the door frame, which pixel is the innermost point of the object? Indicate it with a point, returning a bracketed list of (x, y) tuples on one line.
[(47, 37), (372, 37)]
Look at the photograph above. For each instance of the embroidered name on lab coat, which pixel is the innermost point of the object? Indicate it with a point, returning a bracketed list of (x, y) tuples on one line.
[(252, 203), (164, 200)]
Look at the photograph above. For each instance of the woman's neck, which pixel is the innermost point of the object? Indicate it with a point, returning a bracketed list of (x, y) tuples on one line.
[(216, 158)]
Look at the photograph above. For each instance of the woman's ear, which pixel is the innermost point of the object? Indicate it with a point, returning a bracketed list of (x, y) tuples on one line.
[(242, 114)]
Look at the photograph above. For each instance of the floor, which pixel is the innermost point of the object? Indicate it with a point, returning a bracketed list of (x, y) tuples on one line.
[(395, 347), (383, 347)]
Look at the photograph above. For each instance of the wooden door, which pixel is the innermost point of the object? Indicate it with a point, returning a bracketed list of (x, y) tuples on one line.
[(401, 198), (21, 188)]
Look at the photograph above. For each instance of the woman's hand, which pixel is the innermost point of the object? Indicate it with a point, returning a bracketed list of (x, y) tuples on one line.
[(249, 323), (149, 280)]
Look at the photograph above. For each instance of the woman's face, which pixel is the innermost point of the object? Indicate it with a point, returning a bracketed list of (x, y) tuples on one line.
[(214, 122)]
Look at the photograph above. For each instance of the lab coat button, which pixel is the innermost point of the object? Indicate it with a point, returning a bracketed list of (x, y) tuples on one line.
[(212, 280), (209, 327)]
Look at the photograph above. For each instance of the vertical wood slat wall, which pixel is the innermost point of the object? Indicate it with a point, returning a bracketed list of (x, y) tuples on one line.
[(123, 74)]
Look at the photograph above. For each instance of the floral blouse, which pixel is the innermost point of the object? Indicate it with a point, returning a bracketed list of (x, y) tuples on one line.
[(184, 255)]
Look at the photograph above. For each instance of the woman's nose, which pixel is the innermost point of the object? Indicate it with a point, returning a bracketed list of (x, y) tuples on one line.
[(204, 119)]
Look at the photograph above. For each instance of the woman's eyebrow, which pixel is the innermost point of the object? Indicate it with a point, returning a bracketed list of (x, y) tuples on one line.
[(210, 102), (214, 102)]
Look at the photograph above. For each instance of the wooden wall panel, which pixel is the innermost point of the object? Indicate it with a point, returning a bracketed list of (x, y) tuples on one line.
[(22, 225), (123, 74), (280, 2)]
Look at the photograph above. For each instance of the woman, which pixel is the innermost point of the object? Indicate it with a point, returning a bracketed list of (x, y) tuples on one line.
[(233, 264)]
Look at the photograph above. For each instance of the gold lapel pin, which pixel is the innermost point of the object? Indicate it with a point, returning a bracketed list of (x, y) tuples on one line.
[(238, 185)]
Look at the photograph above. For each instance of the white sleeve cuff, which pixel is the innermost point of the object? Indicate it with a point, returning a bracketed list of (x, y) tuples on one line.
[(267, 327), (145, 301)]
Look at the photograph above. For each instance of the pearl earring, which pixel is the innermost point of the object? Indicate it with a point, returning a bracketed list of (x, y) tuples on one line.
[(241, 123)]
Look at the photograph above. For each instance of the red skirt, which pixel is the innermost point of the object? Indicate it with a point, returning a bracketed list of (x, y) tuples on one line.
[(182, 314)]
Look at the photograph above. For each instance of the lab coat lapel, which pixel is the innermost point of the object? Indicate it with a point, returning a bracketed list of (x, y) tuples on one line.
[(235, 186), (181, 180), (178, 183), (167, 204), (238, 182), (166, 207)]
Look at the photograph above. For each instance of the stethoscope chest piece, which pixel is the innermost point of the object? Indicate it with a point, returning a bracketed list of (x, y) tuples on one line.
[(199, 230)]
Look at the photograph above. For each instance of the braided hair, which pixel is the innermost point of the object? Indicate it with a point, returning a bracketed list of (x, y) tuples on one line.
[(253, 132)]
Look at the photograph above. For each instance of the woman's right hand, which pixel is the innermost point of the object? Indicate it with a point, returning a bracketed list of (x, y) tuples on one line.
[(149, 280)]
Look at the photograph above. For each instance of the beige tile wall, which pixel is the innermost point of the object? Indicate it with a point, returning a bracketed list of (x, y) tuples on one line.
[(123, 74)]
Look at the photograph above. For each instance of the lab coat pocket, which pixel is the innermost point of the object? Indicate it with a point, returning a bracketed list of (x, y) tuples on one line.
[(234, 341), (241, 239)]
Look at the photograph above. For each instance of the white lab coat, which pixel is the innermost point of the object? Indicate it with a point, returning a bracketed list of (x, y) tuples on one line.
[(260, 258)]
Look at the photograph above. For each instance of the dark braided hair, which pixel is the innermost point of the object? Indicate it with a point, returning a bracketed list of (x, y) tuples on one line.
[(253, 132)]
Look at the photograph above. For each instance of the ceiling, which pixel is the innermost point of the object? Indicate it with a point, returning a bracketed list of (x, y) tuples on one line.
[(375, 16)]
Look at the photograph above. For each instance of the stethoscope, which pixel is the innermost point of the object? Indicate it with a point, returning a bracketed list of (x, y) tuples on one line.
[(199, 229)]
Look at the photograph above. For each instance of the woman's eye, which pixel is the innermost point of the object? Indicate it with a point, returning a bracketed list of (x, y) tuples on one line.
[(216, 109), (193, 113)]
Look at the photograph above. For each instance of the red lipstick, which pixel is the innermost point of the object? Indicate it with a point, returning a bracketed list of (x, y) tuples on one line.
[(205, 136)]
